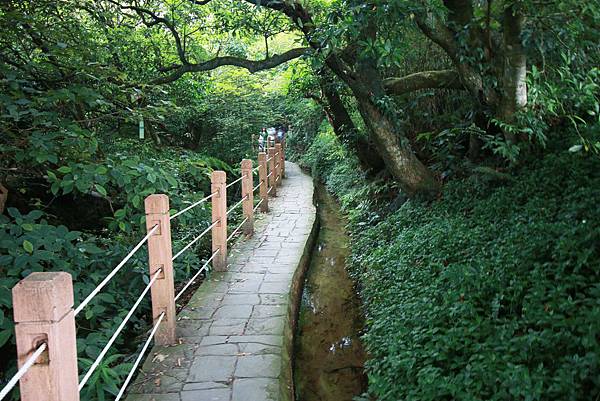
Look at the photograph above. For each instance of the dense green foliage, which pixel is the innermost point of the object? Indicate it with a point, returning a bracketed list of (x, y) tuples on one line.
[(37, 242), (491, 292), (488, 292), (74, 84)]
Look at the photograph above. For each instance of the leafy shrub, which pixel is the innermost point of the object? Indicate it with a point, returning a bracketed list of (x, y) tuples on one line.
[(490, 293), (322, 155), (31, 242)]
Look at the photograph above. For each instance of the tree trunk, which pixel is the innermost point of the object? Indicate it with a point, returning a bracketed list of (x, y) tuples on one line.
[(346, 131), (412, 176), (514, 86)]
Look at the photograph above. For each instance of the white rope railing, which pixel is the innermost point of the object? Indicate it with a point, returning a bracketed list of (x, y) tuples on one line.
[(234, 182), (118, 331), (277, 179), (257, 205), (237, 229), (21, 372), (247, 173), (180, 293), (140, 356), (192, 242), (232, 208), (114, 271), (193, 205)]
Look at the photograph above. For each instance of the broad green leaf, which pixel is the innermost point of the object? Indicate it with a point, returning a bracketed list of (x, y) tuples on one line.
[(28, 246), (100, 189)]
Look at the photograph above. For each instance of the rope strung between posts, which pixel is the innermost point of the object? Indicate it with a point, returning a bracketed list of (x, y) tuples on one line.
[(114, 271), (277, 179), (197, 274), (233, 182), (255, 169), (270, 174), (193, 205), (140, 356), (118, 331), (237, 229), (277, 165), (256, 187), (21, 372), (269, 159), (232, 208), (192, 242), (270, 189), (257, 205)]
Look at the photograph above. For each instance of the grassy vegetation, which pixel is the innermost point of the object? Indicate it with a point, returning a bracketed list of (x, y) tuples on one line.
[(489, 293)]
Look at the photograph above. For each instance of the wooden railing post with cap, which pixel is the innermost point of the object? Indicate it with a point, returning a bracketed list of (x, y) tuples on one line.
[(248, 196), (160, 256), (278, 159), (43, 313), (272, 178), (264, 185), (218, 181)]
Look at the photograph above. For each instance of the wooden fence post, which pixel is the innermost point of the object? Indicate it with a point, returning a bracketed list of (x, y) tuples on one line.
[(248, 196), (283, 159), (43, 313), (264, 185), (272, 171), (160, 255), (218, 181), (278, 159)]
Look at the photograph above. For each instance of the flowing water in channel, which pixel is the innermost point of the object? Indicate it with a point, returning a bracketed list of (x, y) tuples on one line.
[(329, 357)]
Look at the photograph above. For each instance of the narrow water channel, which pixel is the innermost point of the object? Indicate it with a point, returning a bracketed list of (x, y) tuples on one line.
[(329, 358)]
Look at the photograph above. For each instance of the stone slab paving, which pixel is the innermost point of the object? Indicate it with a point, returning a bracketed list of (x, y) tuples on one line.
[(235, 333)]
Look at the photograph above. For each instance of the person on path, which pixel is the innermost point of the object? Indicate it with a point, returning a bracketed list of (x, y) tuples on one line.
[(280, 134), (271, 136), (261, 140)]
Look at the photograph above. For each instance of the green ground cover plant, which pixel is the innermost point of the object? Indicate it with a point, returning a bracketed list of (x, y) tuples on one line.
[(490, 292)]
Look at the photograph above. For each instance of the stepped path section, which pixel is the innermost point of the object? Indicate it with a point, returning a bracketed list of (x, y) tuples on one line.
[(235, 333)]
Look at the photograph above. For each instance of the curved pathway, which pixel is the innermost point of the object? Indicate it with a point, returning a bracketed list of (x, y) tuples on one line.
[(236, 332)]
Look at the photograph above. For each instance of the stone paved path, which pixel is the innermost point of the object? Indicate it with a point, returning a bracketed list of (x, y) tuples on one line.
[(236, 331)]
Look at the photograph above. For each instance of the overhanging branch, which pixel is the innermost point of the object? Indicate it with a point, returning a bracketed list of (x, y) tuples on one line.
[(250, 65), (443, 79)]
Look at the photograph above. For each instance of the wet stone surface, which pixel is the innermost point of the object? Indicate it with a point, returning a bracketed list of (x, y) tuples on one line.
[(231, 332)]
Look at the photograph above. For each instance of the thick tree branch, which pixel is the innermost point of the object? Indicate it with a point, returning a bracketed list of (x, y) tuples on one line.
[(250, 65), (156, 20), (304, 22), (440, 35), (444, 79)]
